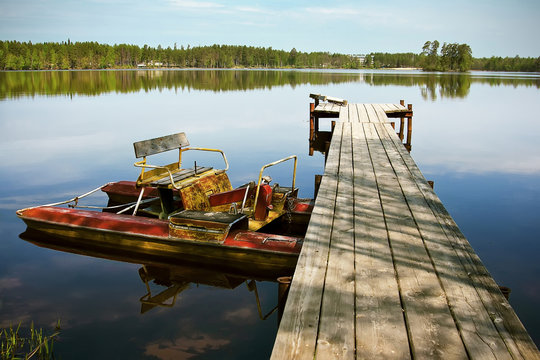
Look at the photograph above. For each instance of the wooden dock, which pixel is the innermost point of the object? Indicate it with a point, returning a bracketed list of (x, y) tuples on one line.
[(385, 271)]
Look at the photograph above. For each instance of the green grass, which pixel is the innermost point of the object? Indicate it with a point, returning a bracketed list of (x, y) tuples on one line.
[(36, 345)]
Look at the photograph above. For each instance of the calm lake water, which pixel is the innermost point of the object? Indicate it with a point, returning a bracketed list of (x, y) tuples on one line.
[(65, 132)]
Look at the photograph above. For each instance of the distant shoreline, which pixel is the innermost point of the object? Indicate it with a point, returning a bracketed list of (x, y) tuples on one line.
[(261, 69), (15, 55), (402, 68)]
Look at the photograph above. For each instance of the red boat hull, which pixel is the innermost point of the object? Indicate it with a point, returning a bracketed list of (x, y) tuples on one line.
[(240, 249)]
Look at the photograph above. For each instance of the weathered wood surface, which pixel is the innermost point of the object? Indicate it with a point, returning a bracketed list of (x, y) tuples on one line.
[(392, 108), (328, 107), (160, 144), (319, 97), (384, 271), (182, 174)]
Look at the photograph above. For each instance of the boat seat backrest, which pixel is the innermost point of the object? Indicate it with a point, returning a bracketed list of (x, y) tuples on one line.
[(155, 146), (161, 144)]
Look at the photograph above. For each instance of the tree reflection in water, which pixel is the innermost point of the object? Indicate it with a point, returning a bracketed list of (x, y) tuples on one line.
[(433, 85)]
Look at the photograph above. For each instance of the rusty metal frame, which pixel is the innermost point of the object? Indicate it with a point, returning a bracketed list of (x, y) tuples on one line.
[(142, 164), (272, 164)]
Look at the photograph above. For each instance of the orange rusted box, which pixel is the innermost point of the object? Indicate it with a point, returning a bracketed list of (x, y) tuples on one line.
[(205, 225)]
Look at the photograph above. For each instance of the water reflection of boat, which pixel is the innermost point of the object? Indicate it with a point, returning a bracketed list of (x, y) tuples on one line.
[(176, 279), (165, 283), (165, 279), (187, 214)]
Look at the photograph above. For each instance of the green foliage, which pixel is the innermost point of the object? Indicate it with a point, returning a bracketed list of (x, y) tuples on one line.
[(452, 57), (430, 58), (399, 60), (16, 55), (35, 345), (456, 57), (507, 64)]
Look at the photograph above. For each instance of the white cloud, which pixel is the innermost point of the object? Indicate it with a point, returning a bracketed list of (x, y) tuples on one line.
[(184, 347), (338, 12), (242, 315), (8, 283), (253, 10), (195, 5)]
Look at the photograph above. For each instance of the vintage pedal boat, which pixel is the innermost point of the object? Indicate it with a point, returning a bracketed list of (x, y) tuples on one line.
[(192, 214)]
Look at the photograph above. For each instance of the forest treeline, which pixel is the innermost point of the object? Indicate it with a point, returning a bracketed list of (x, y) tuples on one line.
[(453, 57), (15, 55)]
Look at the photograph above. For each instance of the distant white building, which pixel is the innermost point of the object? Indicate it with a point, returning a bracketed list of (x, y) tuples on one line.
[(362, 58), (151, 63)]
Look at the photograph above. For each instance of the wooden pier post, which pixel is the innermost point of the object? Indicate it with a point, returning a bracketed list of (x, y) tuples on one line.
[(311, 121), (311, 128), (401, 122), (318, 179), (284, 283), (409, 128)]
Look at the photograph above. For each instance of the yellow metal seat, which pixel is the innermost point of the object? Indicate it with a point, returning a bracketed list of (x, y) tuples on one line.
[(194, 185), (170, 176)]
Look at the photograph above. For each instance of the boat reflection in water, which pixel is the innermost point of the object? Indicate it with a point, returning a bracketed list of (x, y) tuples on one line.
[(165, 278), (174, 279)]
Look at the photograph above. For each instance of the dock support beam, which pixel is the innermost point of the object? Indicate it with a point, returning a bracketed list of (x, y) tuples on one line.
[(401, 133), (311, 128), (409, 128), (284, 283), (401, 122), (318, 179)]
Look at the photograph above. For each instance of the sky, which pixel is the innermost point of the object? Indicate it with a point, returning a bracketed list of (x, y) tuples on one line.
[(490, 28)]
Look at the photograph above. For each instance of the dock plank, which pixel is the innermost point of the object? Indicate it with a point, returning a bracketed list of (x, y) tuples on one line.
[(392, 108), (384, 107), (352, 113), (299, 326), (380, 325), (362, 113), (478, 332), (432, 331), (328, 107), (374, 109), (510, 329), (336, 332), (344, 114)]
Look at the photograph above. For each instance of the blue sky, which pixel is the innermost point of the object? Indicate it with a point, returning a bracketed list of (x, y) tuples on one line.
[(491, 28)]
